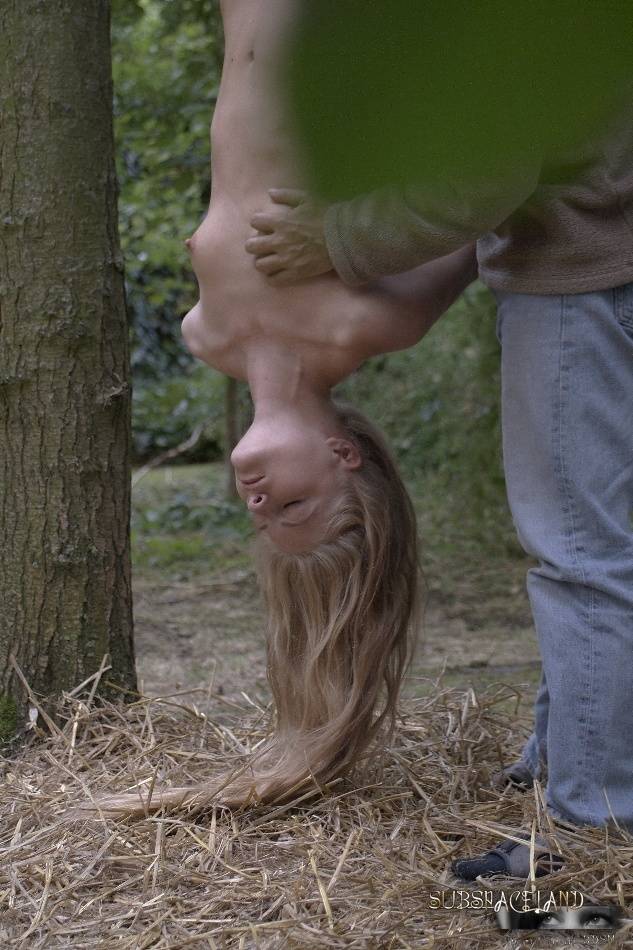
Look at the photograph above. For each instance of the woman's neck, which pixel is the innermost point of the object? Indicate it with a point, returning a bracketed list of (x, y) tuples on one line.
[(280, 379)]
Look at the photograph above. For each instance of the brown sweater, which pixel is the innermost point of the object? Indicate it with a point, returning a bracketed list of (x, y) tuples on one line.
[(561, 225)]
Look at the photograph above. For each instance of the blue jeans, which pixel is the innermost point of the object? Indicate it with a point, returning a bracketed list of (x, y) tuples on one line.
[(567, 411)]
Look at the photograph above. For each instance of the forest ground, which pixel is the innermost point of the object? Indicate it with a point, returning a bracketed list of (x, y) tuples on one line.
[(199, 623)]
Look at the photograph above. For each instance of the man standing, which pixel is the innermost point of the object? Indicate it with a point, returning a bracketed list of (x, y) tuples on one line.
[(555, 245)]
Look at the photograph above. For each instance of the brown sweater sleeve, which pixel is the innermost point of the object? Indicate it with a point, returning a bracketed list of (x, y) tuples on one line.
[(397, 228)]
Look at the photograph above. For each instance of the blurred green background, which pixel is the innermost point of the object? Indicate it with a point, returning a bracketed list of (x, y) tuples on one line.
[(447, 92)]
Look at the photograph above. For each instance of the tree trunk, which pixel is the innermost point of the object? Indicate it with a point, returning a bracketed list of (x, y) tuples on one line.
[(65, 394)]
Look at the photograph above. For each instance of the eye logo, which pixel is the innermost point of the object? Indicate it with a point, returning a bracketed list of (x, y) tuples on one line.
[(586, 917)]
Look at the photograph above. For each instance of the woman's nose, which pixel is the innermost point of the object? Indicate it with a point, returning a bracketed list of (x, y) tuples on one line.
[(256, 502)]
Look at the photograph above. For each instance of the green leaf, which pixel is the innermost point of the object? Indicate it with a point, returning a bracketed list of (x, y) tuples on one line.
[(430, 92)]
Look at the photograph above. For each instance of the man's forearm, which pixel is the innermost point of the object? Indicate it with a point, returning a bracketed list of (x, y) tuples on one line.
[(395, 229), (386, 232)]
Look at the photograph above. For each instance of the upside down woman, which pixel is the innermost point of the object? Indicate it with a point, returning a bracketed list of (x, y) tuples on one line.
[(336, 533)]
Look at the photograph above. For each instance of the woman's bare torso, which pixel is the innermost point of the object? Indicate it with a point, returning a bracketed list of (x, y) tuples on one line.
[(252, 150)]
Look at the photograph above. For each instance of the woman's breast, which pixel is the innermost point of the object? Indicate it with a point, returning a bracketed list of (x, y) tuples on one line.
[(237, 303)]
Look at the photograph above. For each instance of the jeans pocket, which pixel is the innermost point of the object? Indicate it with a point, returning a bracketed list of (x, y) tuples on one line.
[(624, 307)]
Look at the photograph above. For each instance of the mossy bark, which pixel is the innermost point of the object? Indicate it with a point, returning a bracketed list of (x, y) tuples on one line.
[(65, 394)]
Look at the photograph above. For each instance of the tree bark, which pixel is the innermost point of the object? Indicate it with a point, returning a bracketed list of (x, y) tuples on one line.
[(65, 391)]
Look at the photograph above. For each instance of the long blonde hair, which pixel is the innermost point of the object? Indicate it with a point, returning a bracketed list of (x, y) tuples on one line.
[(341, 624)]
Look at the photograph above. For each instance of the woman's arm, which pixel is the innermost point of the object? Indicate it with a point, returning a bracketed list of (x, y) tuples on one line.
[(436, 284), (428, 291)]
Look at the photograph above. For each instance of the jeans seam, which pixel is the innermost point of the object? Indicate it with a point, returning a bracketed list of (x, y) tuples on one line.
[(574, 548), (623, 310), (572, 545), (589, 730)]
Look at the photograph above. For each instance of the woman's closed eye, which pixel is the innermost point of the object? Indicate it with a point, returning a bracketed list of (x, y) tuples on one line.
[(295, 512)]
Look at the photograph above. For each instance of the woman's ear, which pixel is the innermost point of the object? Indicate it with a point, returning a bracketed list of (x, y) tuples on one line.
[(347, 453)]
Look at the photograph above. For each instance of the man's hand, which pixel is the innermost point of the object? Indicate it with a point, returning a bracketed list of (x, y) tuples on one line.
[(291, 244)]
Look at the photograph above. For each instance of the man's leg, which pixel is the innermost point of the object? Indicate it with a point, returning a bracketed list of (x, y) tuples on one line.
[(567, 402), (534, 755)]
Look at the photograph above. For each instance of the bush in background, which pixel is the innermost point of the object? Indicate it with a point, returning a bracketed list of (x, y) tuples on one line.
[(166, 412), (167, 59)]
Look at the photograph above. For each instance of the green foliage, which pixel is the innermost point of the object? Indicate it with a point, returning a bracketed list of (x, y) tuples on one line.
[(125, 12), (166, 66), (189, 554), (443, 90), (174, 13), (181, 521), (165, 412)]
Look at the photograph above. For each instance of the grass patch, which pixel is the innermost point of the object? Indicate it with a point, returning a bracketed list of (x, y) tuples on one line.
[(183, 523), (189, 554)]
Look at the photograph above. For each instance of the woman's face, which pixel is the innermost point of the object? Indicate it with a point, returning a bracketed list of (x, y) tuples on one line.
[(292, 478)]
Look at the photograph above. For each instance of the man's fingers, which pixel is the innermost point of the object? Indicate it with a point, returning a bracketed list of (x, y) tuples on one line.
[(288, 196), (268, 265), (263, 221), (260, 245)]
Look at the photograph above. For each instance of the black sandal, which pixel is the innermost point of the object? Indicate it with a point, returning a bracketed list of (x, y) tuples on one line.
[(518, 776), (511, 859)]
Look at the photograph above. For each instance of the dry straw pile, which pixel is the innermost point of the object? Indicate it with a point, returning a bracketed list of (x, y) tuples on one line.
[(359, 865)]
